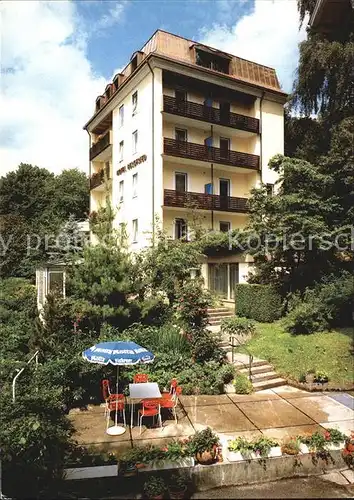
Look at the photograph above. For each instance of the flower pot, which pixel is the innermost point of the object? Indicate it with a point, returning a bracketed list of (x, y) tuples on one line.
[(332, 446), (206, 458), (304, 448), (275, 451), (310, 378), (176, 494), (350, 447), (234, 456), (170, 464)]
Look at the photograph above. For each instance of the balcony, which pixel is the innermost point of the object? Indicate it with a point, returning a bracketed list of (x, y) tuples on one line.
[(200, 152), (205, 201), (100, 146), (97, 179), (196, 111)]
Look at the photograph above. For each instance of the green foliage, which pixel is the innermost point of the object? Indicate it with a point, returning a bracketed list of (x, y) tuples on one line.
[(240, 444), (204, 440), (327, 305), (258, 302), (35, 203), (205, 346), (236, 326), (154, 486), (192, 301), (242, 384), (293, 355), (260, 446)]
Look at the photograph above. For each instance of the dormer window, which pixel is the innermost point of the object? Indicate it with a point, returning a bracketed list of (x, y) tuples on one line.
[(108, 92), (134, 63), (212, 60)]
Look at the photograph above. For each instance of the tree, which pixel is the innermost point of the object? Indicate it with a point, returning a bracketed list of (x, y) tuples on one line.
[(34, 204)]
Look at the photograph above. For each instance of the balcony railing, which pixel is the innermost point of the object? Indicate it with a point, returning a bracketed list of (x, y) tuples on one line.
[(98, 178), (207, 113), (210, 154), (100, 145), (205, 201)]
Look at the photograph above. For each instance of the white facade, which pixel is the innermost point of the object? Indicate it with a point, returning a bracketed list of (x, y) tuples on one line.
[(141, 167)]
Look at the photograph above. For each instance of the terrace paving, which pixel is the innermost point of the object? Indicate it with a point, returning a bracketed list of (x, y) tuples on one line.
[(280, 412)]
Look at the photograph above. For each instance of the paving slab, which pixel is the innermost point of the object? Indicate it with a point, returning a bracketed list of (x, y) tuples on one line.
[(323, 409), (343, 398), (283, 433), (345, 426), (222, 418), (254, 396), (335, 477), (169, 429), (287, 391), (244, 358), (349, 475), (90, 428), (204, 400), (273, 413)]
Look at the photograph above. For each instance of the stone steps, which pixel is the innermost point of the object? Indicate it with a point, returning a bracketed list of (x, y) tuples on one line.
[(215, 315), (268, 384), (256, 369)]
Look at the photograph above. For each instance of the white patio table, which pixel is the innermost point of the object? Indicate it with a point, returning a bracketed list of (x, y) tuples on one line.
[(144, 390)]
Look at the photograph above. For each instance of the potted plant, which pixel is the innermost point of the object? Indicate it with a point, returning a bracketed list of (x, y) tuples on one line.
[(321, 377), (239, 449), (203, 445), (264, 447), (155, 488), (335, 439), (291, 446), (177, 486), (310, 376), (348, 450), (315, 443)]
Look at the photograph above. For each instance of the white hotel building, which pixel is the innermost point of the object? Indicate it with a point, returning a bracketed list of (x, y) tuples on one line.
[(185, 124)]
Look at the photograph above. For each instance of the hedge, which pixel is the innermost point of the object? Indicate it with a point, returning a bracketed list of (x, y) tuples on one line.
[(259, 302)]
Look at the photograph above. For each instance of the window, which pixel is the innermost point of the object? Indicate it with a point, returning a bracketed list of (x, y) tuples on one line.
[(224, 187), (224, 226), (180, 229), (212, 61), (270, 189), (135, 141), (181, 182), (180, 95), (224, 147), (135, 185), (121, 191), (208, 188), (121, 150), (181, 134), (121, 116), (134, 102), (135, 230)]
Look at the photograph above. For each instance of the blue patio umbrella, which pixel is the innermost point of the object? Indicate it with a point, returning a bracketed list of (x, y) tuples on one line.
[(118, 353)]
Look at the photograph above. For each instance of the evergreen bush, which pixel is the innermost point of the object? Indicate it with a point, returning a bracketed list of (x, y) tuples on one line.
[(259, 302)]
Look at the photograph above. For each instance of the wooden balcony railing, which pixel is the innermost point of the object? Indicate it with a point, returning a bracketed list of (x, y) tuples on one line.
[(210, 154), (98, 178), (100, 145), (204, 201), (207, 113)]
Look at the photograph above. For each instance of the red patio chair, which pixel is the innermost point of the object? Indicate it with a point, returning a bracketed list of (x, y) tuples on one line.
[(108, 396), (171, 404), (150, 409), (140, 378)]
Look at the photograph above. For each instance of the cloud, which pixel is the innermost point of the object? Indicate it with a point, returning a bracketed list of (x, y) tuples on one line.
[(109, 19), (48, 86), (268, 35)]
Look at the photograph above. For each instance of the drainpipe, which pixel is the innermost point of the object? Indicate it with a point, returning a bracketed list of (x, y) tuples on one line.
[(89, 169), (260, 134), (212, 185), (153, 151)]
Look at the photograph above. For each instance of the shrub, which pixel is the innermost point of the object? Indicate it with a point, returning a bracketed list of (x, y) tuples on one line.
[(259, 302), (202, 441), (242, 384), (240, 327), (205, 346), (154, 486), (192, 302), (327, 305)]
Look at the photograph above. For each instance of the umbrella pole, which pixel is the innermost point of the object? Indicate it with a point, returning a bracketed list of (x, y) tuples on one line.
[(116, 416)]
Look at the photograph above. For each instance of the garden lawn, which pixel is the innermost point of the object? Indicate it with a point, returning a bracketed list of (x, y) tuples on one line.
[(292, 355)]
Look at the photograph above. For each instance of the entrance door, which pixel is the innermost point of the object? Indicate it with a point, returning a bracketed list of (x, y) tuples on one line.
[(233, 279), (217, 279), (224, 148)]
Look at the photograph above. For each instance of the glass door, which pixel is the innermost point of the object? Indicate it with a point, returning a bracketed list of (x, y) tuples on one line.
[(217, 278), (233, 279)]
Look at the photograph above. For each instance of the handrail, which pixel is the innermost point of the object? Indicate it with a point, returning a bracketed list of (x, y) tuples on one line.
[(35, 355), (250, 356)]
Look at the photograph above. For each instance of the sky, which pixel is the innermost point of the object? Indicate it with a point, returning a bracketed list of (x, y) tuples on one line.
[(57, 57)]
